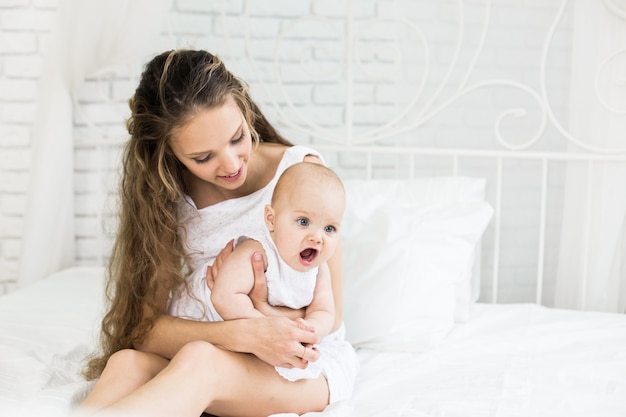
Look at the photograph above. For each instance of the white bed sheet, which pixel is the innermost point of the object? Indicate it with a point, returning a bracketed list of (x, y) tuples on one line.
[(46, 331), (507, 361)]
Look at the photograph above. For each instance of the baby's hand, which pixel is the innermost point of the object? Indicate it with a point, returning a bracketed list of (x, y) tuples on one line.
[(302, 324)]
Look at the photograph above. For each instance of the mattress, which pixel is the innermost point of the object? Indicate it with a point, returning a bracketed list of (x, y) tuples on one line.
[(508, 360)]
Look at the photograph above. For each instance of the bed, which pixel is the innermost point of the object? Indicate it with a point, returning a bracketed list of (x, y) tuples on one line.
[(426, 346)]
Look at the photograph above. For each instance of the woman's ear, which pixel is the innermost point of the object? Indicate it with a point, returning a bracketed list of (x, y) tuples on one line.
[(269, 217)]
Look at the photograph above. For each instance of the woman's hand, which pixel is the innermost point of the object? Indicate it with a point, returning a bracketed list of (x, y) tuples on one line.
[(279, 341), (310, 352)]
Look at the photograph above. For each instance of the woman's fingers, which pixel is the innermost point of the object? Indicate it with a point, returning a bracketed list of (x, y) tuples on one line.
[(309, 354), (224, 253), (258, 294), (213, 270), (279, 341)]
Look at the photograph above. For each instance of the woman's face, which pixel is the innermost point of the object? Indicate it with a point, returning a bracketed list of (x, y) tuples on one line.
[(215, 146)]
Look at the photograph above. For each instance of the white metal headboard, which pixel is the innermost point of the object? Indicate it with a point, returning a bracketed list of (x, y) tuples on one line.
[(496, 184)]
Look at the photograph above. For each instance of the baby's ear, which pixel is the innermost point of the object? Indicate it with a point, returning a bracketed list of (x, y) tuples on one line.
[(269, 217)]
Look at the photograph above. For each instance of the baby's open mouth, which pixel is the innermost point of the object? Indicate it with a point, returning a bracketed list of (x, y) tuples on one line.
[(308, 255)]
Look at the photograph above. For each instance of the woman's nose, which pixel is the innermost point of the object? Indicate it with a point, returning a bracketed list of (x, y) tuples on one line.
[(229, 162)]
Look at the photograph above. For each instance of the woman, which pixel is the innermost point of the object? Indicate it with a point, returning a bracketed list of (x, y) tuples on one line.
[(198, 143)]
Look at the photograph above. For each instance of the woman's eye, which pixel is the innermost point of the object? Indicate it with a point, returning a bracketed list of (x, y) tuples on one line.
[(237, 140), (203, 160), (330, 229), (303, 222)]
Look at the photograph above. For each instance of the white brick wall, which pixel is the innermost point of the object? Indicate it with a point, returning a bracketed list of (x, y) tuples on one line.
[(24, 26), (512, 51)]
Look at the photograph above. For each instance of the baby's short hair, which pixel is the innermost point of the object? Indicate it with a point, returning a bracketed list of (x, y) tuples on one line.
[(302, 172)]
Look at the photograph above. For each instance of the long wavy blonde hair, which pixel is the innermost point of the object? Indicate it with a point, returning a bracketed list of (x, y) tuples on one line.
[(148, 260)]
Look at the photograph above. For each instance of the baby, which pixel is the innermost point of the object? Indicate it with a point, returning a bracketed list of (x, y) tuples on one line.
[(303, 222), (302, 232)]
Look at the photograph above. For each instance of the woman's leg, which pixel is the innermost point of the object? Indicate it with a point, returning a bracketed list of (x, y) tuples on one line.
[(204, 377), (125, 371), (251, 387)]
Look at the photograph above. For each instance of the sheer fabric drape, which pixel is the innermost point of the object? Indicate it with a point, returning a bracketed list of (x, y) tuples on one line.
[(592, 262), (90, 35)]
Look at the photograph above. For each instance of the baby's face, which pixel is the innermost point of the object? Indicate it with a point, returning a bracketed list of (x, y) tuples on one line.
[(306, 226)]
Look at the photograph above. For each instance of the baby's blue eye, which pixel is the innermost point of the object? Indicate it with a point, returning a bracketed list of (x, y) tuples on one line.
[(303, 222), (330, 229)]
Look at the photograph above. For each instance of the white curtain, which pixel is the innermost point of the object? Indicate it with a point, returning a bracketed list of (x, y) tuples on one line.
[(90, 35), (592, 263)]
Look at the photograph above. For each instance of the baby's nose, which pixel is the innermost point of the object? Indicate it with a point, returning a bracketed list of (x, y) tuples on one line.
[(315, 238)]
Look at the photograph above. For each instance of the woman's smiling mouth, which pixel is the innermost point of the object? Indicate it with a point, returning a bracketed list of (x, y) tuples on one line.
[(232, 178)]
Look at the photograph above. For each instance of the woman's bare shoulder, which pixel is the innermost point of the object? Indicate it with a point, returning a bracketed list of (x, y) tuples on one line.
[(272, 148)]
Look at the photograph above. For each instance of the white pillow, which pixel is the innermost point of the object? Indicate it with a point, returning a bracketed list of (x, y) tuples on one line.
[(431, 191), (408, 249)]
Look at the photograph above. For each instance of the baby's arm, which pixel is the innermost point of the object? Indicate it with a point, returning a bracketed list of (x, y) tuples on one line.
[(320, 314), (233, 283)]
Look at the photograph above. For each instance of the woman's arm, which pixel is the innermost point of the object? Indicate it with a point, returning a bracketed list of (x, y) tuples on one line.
[(275, 340)]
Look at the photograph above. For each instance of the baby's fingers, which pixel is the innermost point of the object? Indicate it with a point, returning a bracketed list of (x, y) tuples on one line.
[(302, 324)]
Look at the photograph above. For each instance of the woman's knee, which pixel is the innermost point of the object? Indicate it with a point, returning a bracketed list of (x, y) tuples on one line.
[(196, 355), (130, 362)]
